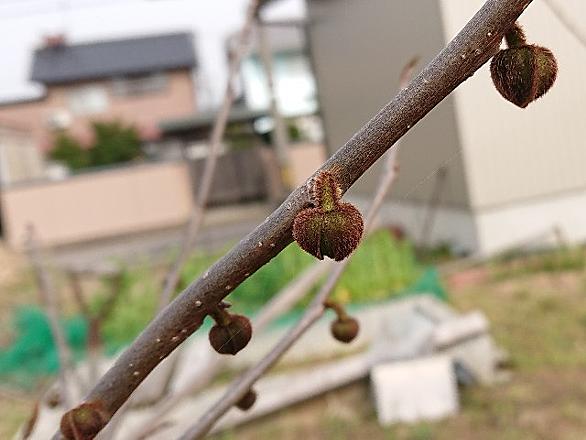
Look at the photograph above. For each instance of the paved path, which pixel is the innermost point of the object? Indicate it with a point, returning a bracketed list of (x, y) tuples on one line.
[(222, 226)]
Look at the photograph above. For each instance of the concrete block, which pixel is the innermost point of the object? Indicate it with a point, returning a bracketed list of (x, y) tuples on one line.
[(459, 329), (415, 390)]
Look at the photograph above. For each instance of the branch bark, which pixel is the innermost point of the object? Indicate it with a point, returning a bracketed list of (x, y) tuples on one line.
[(197, 214), (476, 43), (314, 312), (279, 304)]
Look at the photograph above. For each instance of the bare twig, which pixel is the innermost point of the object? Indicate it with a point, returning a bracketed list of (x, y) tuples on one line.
[(476, 43), (279, 134), (313, 313), (94, 319), (31, 422), (197, 214), (569, 21), (49, 303), (432, 207)]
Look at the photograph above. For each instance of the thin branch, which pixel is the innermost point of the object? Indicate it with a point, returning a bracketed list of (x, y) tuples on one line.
[(95, 319), (465, 54), (569, 21), (205, 185), (279, 133), (313, 313), (280, 303), (49, 303)]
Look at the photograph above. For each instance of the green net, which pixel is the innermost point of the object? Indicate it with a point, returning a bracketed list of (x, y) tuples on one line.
[(32, 353)]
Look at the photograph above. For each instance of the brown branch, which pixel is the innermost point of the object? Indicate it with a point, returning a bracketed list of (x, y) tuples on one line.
[(465, 54), (279, 133), (279, 304), (197, 214), (95, 320), (205, 185), (313, 313), (49, 303)]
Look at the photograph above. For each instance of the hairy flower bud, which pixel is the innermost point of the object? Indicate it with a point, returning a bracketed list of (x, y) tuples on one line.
[(83, 422), (331, 228), (231, 334), (523, 72), (345, 329), (247, 401)]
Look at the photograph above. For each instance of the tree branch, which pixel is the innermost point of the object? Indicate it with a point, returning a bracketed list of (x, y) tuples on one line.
[(313, 313), (279, 303), (465, 54), (48, 302), (197, 214)]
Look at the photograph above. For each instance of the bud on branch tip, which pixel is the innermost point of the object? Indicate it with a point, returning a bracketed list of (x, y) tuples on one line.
[(523, 72), (331, 228)]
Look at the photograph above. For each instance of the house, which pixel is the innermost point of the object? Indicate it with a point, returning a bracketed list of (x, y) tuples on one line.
[(139, 80), (508, 174), (295, 87)]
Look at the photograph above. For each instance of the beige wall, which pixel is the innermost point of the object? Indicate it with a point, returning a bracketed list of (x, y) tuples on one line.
[(305, 159), (174, 101), (358, 50), (524, 156), (100, 204), (20, 159)]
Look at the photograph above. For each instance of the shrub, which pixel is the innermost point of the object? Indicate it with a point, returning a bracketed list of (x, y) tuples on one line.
[(69, 151)]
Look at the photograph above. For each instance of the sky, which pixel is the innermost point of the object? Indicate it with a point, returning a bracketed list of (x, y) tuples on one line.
[(23, 23)]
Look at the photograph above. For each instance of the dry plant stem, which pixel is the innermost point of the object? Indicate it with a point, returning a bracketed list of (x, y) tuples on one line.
[(569, 21), (197, 214), (95, 320), (279, 133), (316, 309), (466, 53), (49, 303), (280, 303)]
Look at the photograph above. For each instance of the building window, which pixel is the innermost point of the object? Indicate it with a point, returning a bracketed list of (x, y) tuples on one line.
[(88, 100), (139, 85)]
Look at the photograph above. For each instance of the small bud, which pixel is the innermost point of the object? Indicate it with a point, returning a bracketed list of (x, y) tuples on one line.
[(247, 401), (523, 72), (345, 329), (83, 422), (331, 228), (230, 334)]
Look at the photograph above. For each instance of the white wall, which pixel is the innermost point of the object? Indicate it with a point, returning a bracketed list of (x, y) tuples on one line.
[(514, 154)]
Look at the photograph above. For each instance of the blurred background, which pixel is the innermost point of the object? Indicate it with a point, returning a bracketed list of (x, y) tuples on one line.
[(107, 109)]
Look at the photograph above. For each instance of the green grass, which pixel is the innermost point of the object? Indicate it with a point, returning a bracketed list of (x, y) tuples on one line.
[(379, 268)]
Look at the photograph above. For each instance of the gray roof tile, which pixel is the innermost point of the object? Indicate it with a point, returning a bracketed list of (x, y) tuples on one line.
[(132, 56)]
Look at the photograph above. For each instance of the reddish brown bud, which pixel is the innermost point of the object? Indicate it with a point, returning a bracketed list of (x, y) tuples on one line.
[(83, 422), (332, 228), (247, 401), (231, 334), (345, 329), (523, 72)]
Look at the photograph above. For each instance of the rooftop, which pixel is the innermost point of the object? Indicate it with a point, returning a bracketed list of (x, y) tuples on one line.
[(131, 56)]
